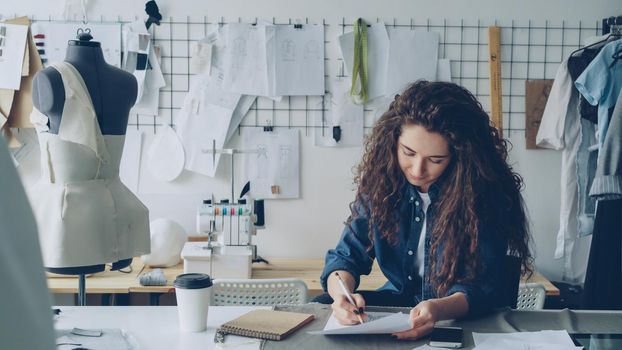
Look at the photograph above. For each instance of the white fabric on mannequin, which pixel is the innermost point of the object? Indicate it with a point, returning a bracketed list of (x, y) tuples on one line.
[(25, 311), (79, 122), (86, 216)]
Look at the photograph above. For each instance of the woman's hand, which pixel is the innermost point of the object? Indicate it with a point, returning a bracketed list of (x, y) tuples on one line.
[(345, 312), (422, 319), (426, 313)]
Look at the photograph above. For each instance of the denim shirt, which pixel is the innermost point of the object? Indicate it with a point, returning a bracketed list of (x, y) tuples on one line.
[(398, 262)]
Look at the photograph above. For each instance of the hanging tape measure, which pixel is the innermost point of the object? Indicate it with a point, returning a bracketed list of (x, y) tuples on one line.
[(494, 61)]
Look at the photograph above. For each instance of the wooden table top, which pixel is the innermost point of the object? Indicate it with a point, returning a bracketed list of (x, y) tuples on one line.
[(308, 270)]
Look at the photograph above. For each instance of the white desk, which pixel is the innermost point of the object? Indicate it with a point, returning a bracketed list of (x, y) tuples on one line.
[(154, 327)]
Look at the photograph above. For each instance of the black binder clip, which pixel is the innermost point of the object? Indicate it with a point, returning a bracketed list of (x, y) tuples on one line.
[(297, 26), (268, 127), (337, 133)]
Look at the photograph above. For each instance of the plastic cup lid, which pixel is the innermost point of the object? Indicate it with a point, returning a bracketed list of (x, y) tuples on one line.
[(193, 281)]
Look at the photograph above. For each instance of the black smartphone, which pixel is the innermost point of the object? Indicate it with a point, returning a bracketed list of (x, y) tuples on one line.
[(446, 337)]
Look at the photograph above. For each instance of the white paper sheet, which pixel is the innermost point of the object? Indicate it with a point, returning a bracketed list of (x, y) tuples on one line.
[(246, 101), (299, 60), (542, 340), (28, 143), (12, 50), (377, 56), (58, 33), (379, 323), (425, 347), (110, 338), (443, 70), (413, 55), (75, 9), (166, 156), (188, 183), (136, 48), (205, 117), (217, 41), (249, 69), (129, 170), (340, 111), (149, 103), (276, 164), (201, 58)]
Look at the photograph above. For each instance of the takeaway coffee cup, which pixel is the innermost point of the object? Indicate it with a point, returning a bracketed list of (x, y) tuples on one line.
[(192, 291)]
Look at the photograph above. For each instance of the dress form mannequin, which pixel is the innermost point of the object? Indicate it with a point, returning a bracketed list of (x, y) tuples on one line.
[(112, 92)]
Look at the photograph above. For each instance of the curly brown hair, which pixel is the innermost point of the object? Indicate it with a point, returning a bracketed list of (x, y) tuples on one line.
[(478, 186)]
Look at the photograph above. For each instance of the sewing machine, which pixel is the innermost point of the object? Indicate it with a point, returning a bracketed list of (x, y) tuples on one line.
[(229, 228)]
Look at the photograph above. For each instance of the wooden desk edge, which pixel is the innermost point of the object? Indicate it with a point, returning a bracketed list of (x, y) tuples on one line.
[(278, 268)]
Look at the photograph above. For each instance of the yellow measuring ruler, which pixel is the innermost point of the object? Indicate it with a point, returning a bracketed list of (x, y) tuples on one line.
[(494, 61)]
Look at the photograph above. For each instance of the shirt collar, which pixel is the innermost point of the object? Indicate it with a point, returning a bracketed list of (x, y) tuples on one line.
[(433, 191)]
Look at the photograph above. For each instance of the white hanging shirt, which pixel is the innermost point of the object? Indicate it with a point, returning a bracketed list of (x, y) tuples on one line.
[(86, 216), (560, 130)]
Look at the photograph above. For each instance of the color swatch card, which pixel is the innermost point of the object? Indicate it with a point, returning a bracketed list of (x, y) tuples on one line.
[(12, 49)]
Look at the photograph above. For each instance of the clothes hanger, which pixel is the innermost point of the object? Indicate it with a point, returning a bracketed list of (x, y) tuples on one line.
[(592, 45), (616, 30)]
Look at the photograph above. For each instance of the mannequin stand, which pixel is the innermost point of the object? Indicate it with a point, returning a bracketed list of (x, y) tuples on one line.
[(82, 271)]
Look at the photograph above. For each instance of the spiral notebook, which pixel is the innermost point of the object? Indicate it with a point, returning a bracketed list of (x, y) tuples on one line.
[(266, 324)]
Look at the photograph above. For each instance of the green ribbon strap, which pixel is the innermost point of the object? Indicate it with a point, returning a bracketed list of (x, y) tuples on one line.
[(360, 66)]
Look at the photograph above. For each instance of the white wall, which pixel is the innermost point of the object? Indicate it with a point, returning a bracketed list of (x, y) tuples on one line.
[(307, 227)]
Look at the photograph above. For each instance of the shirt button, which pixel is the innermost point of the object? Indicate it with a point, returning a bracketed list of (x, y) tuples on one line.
[(417, 219), (417, 203), (410, 278), (412, 199), (410, 252)]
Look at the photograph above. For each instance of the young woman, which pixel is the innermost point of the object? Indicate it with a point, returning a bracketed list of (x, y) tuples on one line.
[(438, 207)]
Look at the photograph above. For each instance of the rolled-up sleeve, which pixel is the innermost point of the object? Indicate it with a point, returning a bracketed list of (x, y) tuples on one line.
[(352, 253), (491, 288)]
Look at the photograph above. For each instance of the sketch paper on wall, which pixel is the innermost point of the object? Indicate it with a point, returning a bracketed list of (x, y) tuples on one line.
[(339, 111), (377, 56), (136, 49), (201, 56), (58, 33), (204, 119), (246, 101), (299, 60), (413, 55), (217, 61), (248, 69), (149, 103), (274, 170), (443, 70), (12, 50), (75, 9)]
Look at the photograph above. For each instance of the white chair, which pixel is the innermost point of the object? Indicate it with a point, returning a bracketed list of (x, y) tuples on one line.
[(243, 292), (530, 296)]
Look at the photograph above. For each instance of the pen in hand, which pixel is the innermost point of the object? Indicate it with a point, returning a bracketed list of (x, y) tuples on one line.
[(348, 296)]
